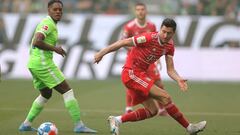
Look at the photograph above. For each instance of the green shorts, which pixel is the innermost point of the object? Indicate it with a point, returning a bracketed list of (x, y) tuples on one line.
[(49, 77)]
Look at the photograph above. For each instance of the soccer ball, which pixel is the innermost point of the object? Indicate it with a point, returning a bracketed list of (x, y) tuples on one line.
[(47, 128)]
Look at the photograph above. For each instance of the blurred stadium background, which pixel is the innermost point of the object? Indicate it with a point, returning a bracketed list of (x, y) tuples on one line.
[(228, 8), (207, 52)]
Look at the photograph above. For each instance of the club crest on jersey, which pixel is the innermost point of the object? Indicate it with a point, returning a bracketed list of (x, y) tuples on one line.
[(141, 39), (45, 27)]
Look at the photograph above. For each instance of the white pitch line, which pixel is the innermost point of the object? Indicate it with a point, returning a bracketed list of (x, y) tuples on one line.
[(120, 112)]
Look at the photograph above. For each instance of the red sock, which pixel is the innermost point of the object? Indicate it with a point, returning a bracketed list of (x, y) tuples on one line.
[(137, 115), (176, 114)]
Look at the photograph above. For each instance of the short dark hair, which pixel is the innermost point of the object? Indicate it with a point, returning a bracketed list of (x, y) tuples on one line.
[(140, 4), (54, 1), (169, 22)]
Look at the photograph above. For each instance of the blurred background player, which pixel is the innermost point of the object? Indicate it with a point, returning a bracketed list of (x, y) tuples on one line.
[(46, 75), (147, 48), (135, 27)]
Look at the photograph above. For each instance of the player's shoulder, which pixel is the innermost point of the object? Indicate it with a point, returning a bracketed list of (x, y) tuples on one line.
[(147, 37), (153, 35), (46, 25), (130, 23), (150, 23), (47, 21), (150, 35)]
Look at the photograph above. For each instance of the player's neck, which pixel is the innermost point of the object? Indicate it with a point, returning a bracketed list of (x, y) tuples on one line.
[(141, 22), (55, 21), (161, 42)]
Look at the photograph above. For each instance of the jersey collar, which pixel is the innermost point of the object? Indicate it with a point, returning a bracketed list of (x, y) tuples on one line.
[(50, 18), (140, 26)]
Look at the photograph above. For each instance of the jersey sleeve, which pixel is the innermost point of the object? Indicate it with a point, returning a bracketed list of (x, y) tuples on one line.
[(125, 32), (154, 29), (44, 27), (142, 39)]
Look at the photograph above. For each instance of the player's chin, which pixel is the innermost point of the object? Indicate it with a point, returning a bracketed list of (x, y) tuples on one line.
[(141, 17), (57, 17), (165, 41)]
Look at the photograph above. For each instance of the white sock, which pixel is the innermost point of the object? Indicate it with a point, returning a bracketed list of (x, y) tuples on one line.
[(189, 126), (67, 96), (79, 124), (27, 123), (128, 108), (41, 100), (119, 119)]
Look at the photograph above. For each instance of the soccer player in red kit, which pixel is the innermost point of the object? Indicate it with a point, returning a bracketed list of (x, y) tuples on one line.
[(146, 49), (135, 27)]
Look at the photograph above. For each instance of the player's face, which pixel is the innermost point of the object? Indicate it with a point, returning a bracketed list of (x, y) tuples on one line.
[(140, 12), (55, 11), (166, 33)]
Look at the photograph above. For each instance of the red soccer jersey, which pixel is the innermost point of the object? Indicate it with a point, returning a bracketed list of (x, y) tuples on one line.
[(147, 50), (133, 28)]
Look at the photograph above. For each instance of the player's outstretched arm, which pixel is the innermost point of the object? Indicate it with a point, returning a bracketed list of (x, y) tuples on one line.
[(182, 83), (111, 48), (38, 42)]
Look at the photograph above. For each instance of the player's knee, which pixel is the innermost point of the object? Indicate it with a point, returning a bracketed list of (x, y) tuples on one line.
[(47, 95), (153, 111), (166, 100)]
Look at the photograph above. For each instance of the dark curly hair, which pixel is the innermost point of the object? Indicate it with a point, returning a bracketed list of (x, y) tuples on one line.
[(54, 1)]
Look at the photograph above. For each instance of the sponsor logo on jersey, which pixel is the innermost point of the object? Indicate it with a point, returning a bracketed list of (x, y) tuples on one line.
[(141, 39), (45, 27)]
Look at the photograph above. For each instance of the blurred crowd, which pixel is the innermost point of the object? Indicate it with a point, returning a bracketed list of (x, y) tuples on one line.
[(228, 8)]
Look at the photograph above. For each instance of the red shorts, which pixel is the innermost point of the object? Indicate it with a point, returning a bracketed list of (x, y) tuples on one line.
[(138, 84), (153, 72)]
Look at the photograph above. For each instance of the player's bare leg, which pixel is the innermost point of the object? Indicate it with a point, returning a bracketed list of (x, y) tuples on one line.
[(129, 107), (161, 111)]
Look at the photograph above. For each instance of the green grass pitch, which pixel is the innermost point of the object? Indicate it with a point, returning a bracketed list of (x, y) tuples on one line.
[(216, 102)]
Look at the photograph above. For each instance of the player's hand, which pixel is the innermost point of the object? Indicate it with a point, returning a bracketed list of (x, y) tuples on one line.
[(97, 57), (59, 50), (182, 83)]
